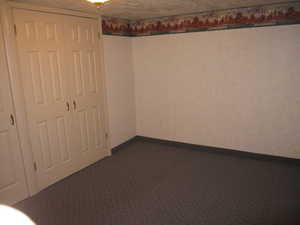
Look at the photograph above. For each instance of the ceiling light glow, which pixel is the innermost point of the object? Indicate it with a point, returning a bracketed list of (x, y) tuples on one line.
[(98, 2)]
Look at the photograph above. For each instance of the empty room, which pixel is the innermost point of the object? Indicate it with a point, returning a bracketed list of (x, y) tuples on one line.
[(149, 112)]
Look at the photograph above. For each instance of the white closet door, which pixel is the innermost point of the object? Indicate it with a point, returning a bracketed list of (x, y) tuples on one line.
[(13, 186), (85, 72), (41, 46), (61, 76)]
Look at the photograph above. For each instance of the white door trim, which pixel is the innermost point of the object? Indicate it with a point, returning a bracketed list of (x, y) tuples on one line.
[(104, 89), (27, 6), (6, 13)]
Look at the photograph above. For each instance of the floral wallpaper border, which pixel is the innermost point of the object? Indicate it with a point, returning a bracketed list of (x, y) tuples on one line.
[(271, 15), (116, 26)]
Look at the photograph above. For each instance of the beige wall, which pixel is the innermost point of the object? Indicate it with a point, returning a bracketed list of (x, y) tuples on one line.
[(237, 89), (120, 86)]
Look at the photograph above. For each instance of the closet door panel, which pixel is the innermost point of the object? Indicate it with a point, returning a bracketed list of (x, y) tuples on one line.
[(83, 50), (45, 80), (13, 186), (61, 77)]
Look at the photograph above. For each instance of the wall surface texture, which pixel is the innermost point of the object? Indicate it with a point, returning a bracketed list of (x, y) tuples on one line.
[(120, 86), (236, 89)]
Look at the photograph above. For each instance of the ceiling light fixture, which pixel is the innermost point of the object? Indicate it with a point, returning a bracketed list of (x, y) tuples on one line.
[(98, 3)]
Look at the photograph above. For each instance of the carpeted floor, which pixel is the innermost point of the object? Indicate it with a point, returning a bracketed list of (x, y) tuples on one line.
[(155, 184)]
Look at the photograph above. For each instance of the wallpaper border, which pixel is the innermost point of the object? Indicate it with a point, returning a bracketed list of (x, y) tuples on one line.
[(258, 16)]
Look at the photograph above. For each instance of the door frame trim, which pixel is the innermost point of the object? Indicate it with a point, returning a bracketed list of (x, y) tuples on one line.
[(61, 11), (11, 47), (104, 90)]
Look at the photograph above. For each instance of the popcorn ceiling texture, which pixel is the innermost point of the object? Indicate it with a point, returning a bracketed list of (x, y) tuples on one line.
[(153, 17), (142, 9)]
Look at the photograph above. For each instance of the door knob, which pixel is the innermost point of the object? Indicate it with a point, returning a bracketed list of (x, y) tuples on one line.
[(12, 119), (68, 106), (75, 105)]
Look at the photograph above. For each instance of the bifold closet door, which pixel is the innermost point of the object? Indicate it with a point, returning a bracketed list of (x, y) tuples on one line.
[(13, 186), (83, 58), (45, 80), (61, 74)]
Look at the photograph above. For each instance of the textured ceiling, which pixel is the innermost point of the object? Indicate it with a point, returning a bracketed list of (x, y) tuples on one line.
[(141, 9)]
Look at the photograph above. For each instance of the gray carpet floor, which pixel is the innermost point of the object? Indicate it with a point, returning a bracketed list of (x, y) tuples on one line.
[(156, 184)]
